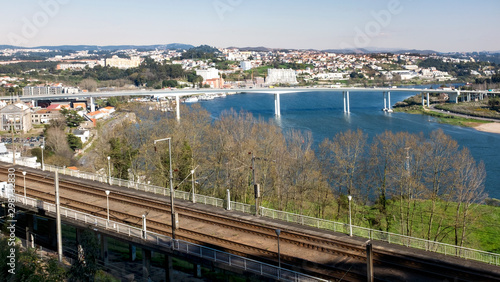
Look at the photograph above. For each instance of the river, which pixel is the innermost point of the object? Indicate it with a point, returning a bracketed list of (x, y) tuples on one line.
[(321, 113)]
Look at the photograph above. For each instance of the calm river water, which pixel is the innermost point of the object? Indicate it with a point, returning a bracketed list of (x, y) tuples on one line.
[(321, 113)]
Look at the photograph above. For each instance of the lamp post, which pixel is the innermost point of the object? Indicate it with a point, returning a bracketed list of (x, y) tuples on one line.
[(24, 181), (350, 223), (42, 146), (109, 170), (192, 185), (107, 201), (172, 210), (278, 232)]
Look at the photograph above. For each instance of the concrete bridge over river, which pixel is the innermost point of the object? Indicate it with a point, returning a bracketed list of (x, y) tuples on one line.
[(454, 95)]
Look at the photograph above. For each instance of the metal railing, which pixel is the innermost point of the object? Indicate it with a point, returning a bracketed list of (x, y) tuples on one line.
[(389, 237), (433, 246), (256, 267)]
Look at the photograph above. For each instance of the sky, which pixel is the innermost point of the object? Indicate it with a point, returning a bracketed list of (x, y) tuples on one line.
[(440, 25)]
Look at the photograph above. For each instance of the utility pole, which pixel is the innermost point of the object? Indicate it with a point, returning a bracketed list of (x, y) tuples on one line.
[(58, 219), (256, 186)]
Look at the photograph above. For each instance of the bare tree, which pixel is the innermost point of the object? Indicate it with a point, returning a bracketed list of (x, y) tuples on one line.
[(468, 190)]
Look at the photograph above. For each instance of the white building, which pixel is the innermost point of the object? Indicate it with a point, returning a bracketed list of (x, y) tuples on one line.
[(284, 76), (210, 73), (122, 63), (83, 134), (246, 65), (329, 76)]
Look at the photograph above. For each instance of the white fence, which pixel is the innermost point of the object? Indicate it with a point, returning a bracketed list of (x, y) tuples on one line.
[(253, 266), (447, 249)]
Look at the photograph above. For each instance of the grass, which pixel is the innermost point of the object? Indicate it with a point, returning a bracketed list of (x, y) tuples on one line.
[(441, 117)]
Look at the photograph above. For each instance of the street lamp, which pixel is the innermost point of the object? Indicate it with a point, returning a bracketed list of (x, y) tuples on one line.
[(278, 232), (109, 170), (350, 224), (192, 183), (24, 176), (172, 210), (107, 201), (42, 146)]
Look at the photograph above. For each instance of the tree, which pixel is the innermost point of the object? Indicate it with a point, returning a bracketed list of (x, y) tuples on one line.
[(469, 190), (57, 141), (88, 84), (85, 267), (343, 158), (74, 142), (121, 155), (29, 267), (73, 119), (169, 83)]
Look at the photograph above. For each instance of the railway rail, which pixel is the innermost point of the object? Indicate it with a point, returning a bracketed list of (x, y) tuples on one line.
[(344, 255)]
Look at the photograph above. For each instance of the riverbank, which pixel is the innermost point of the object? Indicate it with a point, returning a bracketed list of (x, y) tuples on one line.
[(492, 127)]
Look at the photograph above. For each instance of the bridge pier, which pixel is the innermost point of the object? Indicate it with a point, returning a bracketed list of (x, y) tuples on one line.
[(345, 95), (177, 108), (277, 105), (453, 97), (52, 233), (228, 200), (169, 268), (30, 237), (104, 249), (146, 264), (428, 100), (385, 102), (92, 105), (197, 270), (132, 252)]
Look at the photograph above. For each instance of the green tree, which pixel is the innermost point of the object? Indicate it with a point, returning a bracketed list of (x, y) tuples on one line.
[(73, 119), (85, 267), (74, 142), (122, 154)]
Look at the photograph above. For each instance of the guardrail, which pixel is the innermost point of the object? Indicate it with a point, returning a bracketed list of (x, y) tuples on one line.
[(372, 234), (253, 266), (393, 238)]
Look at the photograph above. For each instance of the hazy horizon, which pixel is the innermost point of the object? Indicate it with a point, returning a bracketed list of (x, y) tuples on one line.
[(442, 26)]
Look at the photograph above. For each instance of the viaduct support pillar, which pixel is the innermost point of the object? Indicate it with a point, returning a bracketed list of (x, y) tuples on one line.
[(30, 240), (277, 104), (146, 264), (346, 102), (104, 249), (197, 270), (453, 97), (92, 105), (132, 252), (169, 270), (428, 101), (177, 108), (389, 101), (385, 101)]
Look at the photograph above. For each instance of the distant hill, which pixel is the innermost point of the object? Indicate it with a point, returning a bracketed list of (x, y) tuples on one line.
[(172, 46), (380, 50), (254, 49)]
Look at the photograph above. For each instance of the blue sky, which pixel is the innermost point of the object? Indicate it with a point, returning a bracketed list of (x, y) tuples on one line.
[(321, 24)]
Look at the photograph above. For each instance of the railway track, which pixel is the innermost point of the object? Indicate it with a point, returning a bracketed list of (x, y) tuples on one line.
[(346, 254)]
